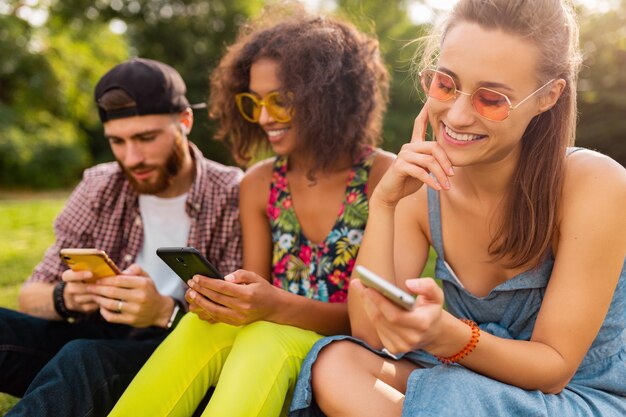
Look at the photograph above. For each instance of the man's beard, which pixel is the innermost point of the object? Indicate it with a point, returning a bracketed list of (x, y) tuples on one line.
[(165, 172)]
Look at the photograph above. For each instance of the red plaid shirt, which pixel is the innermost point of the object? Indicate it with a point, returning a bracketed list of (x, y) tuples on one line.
[(103, 213)]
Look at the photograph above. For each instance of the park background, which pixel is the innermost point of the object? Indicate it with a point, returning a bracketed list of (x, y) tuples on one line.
[(52, 52)]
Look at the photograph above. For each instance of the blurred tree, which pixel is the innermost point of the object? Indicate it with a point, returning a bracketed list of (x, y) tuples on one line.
[(52, 52), (189, 35), (46, 78), (390, 22), (602, 86)]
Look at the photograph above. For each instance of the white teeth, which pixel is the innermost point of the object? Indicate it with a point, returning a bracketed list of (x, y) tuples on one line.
[(461, 136), (276, 132)]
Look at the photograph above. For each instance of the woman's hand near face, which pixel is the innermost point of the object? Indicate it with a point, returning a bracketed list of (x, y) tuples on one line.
[(418, 163), (400, 330), (242, 297)]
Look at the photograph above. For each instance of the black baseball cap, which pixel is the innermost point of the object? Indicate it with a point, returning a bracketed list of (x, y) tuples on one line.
[(155, 87)]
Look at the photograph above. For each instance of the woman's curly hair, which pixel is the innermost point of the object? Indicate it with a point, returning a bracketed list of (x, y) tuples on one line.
[(335, 72)]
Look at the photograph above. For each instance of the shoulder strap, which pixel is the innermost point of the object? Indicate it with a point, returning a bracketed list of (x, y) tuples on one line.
[(434, 220)]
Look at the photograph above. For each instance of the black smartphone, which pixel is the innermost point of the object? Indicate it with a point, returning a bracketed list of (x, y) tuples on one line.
[(187, 262)]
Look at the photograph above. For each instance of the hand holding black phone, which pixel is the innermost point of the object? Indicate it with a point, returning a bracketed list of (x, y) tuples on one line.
[(187, 262)]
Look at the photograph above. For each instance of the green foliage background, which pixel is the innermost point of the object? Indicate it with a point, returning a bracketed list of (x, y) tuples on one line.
[(49, 129)]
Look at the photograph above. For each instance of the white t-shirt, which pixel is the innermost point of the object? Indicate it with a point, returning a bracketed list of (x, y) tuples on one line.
[(165, 223)]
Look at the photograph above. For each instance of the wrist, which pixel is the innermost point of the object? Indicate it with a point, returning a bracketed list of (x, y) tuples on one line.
[(58, 301), (279, 306), (378, 203), (452, 336), (462, 342), (175, 313)]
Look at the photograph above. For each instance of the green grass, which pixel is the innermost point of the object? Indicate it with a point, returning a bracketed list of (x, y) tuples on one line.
[(25, 233)]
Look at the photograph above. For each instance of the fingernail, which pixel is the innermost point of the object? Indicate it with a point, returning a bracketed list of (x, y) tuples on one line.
[(192, 295), (229, 278), (191, 283), (450, 171)]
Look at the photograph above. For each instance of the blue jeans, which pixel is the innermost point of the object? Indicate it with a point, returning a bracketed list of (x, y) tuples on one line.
[(63, 369)]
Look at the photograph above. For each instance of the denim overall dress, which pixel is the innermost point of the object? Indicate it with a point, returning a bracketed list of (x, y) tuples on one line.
[(597, 389)]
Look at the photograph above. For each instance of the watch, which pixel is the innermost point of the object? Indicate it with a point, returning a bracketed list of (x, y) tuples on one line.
[(177, 313)]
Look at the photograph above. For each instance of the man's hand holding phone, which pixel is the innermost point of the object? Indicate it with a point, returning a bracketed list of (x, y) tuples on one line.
[(75, 294), (131, 298), (86, 266)]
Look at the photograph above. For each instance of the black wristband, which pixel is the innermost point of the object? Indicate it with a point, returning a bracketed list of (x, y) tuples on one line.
[(59, 303)]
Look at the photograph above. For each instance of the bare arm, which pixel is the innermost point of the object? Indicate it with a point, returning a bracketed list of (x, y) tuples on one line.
[(589, 259), (388, 236), (256, 233), (72, 229), (258, 299), (237, 304), (587, 267), (36, 299)]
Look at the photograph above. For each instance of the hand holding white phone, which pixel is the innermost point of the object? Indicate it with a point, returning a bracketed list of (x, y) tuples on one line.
[(390, 291)]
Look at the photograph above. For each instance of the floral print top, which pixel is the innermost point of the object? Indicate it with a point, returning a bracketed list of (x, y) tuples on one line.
[(318, 271)]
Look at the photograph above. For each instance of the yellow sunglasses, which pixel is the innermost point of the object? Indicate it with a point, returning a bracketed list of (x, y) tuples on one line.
[(276, 103)]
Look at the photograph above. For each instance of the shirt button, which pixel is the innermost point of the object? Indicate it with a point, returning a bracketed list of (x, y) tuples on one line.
[(138, 221), (128, 257)]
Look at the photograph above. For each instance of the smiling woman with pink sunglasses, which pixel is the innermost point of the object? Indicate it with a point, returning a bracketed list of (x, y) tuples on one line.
[(530, 236)]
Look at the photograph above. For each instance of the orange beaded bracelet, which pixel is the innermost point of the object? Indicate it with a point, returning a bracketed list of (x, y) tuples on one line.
[(469, 348)]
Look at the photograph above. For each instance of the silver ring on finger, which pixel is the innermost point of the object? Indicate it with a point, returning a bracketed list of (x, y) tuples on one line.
[(120, 304)]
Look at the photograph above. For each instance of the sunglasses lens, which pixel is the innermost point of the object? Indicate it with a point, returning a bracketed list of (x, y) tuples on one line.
[(438, 85), (491, 104), (249, 107), (278, 107)]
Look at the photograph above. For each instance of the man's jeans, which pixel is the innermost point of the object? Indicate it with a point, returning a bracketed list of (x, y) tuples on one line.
[(63, 369)]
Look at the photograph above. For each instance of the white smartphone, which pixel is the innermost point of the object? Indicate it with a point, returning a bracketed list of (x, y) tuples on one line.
[(393, 293)]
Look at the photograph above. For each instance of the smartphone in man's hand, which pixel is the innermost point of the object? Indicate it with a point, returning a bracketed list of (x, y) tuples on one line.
[(89, 259)]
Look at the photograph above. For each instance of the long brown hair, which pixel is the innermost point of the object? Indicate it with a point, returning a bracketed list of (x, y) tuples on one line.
[(336, 74), (529, 221)]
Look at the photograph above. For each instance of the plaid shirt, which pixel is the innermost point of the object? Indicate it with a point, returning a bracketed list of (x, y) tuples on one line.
[(103, 212)]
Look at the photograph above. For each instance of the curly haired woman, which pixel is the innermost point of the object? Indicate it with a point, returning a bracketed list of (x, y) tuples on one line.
[(314, 90)]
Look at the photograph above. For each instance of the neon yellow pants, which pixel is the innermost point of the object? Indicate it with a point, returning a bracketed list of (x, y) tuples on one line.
[(253, 369)]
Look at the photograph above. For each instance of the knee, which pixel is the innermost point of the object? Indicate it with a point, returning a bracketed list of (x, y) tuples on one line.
[(71, 362), (326, 373), (79, 350)]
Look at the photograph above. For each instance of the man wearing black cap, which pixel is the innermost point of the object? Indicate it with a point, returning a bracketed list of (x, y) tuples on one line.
[(78, 344)]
